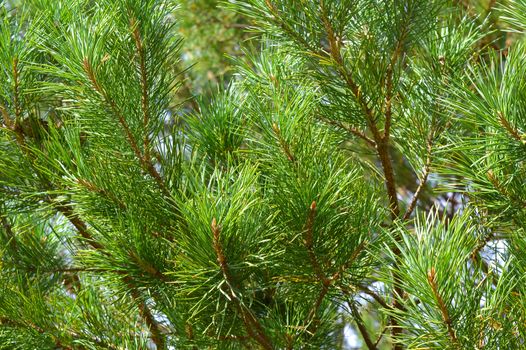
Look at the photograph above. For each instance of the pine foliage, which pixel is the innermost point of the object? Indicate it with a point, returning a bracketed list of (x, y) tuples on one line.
[(361, 175)]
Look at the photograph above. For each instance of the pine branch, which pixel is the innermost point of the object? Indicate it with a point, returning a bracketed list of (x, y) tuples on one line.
[(335, 47), (361, 327), (16, 92), (5, 116), (326, 282), (382, 147), (18, 324), (145, 163), (431, 278), (9, 231), (423, 181), (153, 326), (80, 225), (350, 130), (58, 343), (482, 243), (389, 82), (144, 84), (380, 336), (381, 141), (65, 208), (308, 240), (290, 31), (93, 188), (375, 296), (252, 324), (510, 129), (145, 312), (284, 146), (147, 267)]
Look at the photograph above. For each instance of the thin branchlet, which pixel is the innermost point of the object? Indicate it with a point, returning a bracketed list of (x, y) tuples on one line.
[(423, 181), (361, 327), (284, 145), (252, 325), (431, 278), (146, 163), (511, 129), (144, 84)]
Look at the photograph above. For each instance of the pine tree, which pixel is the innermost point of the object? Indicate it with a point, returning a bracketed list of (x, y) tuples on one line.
[(361, 176)]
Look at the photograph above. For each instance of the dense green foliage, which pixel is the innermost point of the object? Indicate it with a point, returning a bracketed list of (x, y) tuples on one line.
[(356, 177)]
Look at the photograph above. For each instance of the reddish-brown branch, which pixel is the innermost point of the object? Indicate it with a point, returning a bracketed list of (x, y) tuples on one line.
[(381, 141), (122, 121), (90, 186), (65, 209), (380, 336), (382, 148), (147, 267), (431, 278), (335, 54), (153, 326), (252, 325)]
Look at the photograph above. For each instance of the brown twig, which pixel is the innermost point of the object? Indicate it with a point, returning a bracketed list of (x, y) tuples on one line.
[(481, 244), (421, 185), (389, 75), (380, 336), (350, 130), (252, 325), (381, 141), (382, 147), (284, 146), (431, 278), (152, 324), (511, 130), (376, 297), (80, 225), (361, 327), (90, 186), (146, 266)]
